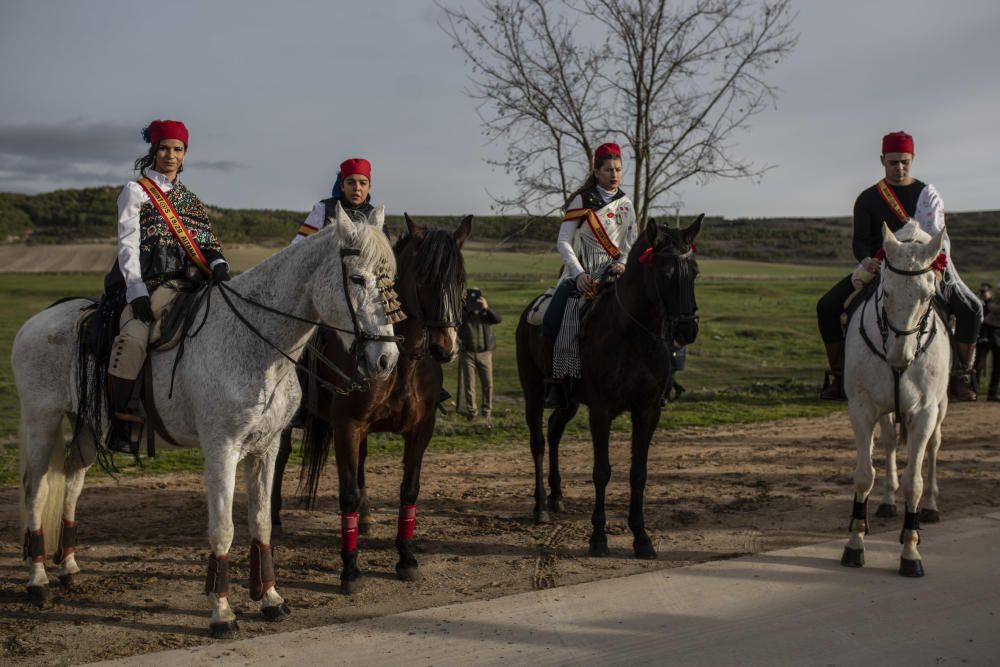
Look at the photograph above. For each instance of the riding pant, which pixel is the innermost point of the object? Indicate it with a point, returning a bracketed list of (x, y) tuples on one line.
[(128, 352)]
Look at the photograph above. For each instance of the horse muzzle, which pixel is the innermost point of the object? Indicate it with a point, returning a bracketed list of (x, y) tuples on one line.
[(686, 331)]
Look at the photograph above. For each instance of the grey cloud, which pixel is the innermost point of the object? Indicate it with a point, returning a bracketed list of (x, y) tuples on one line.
[(217, 165), (74, 140)]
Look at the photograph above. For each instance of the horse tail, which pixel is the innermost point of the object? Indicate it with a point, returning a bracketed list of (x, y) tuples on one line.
[(55, 479), (315, 451)]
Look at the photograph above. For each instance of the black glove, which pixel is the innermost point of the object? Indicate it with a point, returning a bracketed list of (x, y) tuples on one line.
[(142, 310), (220, 272)]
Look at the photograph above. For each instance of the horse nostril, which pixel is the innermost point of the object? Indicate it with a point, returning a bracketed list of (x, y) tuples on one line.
[(383, 362)]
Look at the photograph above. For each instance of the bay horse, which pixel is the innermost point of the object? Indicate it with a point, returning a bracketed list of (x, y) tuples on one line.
[(897, 360), (430, 281), (235, 390), (626, 345)]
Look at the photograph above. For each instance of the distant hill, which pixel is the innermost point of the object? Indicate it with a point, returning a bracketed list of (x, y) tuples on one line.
[(65, 216)]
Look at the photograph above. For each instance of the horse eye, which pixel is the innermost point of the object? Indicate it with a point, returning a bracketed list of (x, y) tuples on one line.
[(358, 280)]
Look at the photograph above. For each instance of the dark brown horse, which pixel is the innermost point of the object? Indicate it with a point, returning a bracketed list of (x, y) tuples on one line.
[(626, 344), (430, 280)]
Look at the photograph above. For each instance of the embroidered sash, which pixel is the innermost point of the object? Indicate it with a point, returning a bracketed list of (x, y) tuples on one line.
[(892, 200), (180, 232), (597, 228)]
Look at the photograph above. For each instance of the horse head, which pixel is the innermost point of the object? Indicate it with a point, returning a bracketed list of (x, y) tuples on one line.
[(669, 268), (910, 276), (432, 281), (350, 285)]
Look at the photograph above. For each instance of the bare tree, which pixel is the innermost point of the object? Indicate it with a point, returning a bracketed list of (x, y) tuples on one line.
[(671, 81)]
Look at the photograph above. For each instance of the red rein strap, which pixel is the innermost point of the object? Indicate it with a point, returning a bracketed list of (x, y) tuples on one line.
[(349, 531), (647, 255), (407, 520)]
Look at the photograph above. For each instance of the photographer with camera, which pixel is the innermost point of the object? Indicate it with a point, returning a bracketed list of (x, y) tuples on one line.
[(475, 357)]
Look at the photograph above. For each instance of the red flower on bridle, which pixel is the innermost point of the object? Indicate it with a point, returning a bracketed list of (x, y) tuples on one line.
[(647, 255)]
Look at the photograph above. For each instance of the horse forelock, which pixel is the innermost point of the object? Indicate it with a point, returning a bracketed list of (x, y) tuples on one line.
[(912, 233), (908, 253), (376, 252)]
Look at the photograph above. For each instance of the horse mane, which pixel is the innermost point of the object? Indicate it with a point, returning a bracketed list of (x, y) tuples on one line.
[(439, 257)]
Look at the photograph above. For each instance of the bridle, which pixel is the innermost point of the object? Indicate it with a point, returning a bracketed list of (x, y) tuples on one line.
[(885, 326), (447, 317), (353, 380), (687, 307)]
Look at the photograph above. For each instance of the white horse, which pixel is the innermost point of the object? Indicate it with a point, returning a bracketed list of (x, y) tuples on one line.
[(233, 394), (897, 359)]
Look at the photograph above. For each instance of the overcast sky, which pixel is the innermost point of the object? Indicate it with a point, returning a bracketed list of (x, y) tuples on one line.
[(276, 94)]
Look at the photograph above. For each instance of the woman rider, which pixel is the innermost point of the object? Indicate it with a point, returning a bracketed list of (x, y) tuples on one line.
[(597, 232), (164, 236), (352, 189)]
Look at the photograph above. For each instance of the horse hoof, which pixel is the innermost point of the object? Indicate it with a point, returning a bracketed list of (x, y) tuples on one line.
[(911, 568), (929, 516), (224, 630), (885, 511), (644, 550), (39, 594), (541, 516), (853, 557), (350, 586), (408, 573), (556, 504), (599, 549), (67, 581), (278, 612)]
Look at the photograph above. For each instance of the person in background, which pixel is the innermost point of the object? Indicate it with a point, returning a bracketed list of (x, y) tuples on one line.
[(475, 357), (991, 325)]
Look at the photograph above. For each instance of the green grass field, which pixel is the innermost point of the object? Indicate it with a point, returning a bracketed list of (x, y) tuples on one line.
[(758, 356)]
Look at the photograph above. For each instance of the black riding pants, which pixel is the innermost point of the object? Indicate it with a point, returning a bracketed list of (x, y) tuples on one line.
[(557, 306)]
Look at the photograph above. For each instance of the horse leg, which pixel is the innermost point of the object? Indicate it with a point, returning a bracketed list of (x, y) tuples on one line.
[(220, 484), (863, 422), (920, 429), (643, 424), (929, 508), (557, 426), (533, 413), (887, 438), (259, 471), (365, 520), (415, 444), (284, 451), (346, 447), (42, 488), (600, 431), (81, 459)]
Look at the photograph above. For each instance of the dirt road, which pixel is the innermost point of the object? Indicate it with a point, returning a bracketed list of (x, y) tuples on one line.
[(712, 494)]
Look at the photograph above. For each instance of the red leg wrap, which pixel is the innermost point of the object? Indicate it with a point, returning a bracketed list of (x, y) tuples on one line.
[(349, 531), (261, 570), (67, 541), (407, 521)]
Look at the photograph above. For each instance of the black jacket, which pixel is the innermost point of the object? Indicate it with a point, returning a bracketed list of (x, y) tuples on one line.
[(475, 334)]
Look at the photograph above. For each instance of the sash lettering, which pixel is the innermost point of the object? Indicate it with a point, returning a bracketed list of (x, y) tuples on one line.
[(597, 228), (180, 232)]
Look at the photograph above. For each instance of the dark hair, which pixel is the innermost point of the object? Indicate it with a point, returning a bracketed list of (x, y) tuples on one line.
[(591, 181), (149, 160)]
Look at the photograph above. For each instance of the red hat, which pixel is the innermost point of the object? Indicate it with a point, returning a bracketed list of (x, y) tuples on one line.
[(897, 142), (356, 165), (159, 130), (607, 150)]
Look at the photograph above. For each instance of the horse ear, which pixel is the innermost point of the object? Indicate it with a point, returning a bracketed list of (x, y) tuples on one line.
[(463, 230), (937, 242), (651, 232), (377, 217), (692, 230), (416, 231), (888, 238), (345, 227)]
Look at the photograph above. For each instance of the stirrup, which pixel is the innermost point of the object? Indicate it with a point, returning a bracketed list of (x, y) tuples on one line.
[(833, 386), (120, 439)]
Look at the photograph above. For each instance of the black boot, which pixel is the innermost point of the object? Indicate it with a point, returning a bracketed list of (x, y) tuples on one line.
[(961, 386), (833, 382), (123, 416)]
